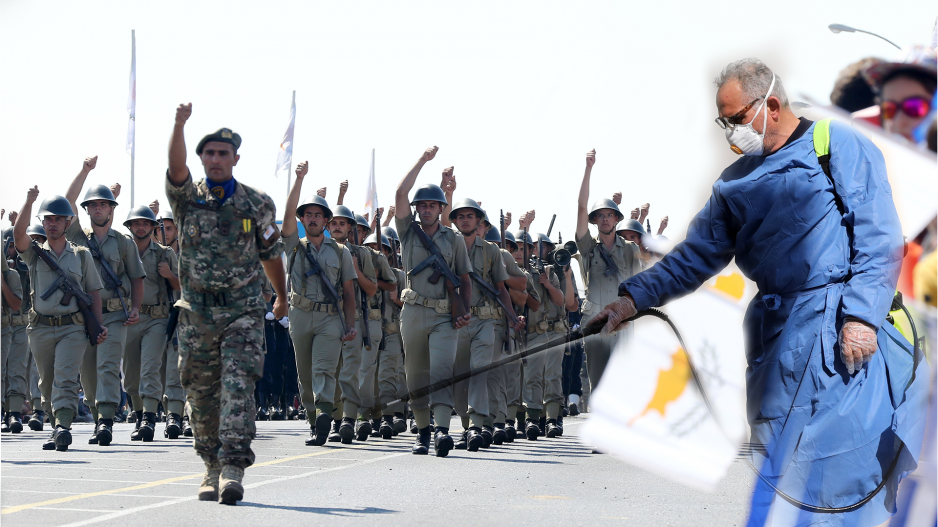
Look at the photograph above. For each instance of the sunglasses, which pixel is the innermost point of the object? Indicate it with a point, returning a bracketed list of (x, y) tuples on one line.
[(915, 107), (737, 118)]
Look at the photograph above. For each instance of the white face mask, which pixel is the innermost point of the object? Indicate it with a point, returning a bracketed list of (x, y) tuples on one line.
[(743, 138)]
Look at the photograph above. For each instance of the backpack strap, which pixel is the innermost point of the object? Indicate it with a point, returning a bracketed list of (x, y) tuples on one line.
[(822, 147)]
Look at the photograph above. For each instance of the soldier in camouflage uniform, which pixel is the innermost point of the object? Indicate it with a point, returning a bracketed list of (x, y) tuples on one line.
[(229, 236)]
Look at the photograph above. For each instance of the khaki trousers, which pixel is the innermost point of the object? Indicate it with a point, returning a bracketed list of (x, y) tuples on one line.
[(16, 368), (368, 371), (391, 384), (174, 395), (474, 350), (58, 351), (100, 368), (347, 389), (317, 341), (429, 356), (498, 394), (144, 351)]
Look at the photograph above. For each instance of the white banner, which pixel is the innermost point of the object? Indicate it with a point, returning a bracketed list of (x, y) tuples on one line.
[(285, 156), (371, 192), (132, 96)]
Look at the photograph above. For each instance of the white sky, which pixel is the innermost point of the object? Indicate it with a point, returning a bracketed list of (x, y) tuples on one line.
[(513, 94)]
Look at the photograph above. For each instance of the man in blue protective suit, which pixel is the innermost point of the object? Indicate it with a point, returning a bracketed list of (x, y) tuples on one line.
[(833, 396)]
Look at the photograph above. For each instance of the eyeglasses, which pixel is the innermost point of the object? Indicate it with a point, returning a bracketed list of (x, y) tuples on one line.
[(736, 118), (915, 107)]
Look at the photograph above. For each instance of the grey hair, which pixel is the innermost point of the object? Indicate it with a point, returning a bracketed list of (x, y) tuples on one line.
[(754, 77)]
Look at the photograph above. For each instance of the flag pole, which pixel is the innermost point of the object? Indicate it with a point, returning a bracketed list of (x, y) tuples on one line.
[(133, 109)]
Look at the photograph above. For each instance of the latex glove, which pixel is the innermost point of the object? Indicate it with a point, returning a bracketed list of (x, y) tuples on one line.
[(614, 317), (857, 343), (285, 322), (270, 315)]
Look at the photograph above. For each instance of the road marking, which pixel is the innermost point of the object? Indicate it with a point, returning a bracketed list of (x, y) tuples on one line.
[(65, 499), (251, 486), (72, 510)]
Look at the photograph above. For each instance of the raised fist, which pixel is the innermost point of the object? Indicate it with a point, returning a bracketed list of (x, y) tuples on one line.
[(183, 111), (429, 154), (343, 187), (644, 212), (155, 206), (89, 164), (507, 219), (116, 190), (449, 181), (32, 194), (590, 158), (321, 193), (617, 198), (663, 225), (13, 216), (302, 169), (634, 213)]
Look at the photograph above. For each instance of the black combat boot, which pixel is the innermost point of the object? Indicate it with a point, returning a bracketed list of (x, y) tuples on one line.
[(510, 431), (4, 426), (49, 444), (362, 431), (105, 431), (474, 439), (376, 428), (262, 414), (347, 430), (463, 442), (422, 445), (334, 436), (413, 425), (487, 436), (15, 421), (173, 426), (320, 430), (498, 436), (400, 423), (61, 438), (387, 427), (35, 421), (542, 426), (442, 442), (531, 431), (138, 416), (276, 413), (93, 440), (186, 427), (553, 429), (147, 427)]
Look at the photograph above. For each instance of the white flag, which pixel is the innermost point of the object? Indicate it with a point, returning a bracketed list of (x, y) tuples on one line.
[(647, 409), (285, 157), (371, 193), (132, 96)]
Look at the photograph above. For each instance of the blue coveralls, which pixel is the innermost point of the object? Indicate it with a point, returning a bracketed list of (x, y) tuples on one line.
[(830, 437)]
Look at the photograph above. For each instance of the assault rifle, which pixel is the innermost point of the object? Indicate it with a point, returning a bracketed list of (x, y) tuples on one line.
[(440, 269), (67, 284), (366, 334), (111, 281), (333, 296)]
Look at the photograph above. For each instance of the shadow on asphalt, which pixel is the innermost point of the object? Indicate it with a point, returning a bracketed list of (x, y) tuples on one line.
[(329, 511)]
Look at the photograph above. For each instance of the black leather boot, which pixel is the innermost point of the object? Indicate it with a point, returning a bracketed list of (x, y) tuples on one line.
[(93, 440), (186, 426), (387, 427), (36, 420), (320, 430), (61, 438), (499, 435), (442, 442), (376, 428), (510, 431), (531, 430), (15, 421), (138, 416), (105, 431), (422, 445), (334, 436), (347, 430), (363, 430), (463, 442), (474, 439), (173, 426), (487, 436), (147, 427), (400, 423), (553, 429), (542, 426)]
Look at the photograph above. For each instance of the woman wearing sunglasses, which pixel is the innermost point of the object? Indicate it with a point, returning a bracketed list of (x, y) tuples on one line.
[(905, 90)]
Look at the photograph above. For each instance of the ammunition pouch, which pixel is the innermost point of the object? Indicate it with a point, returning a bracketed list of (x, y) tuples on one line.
[(155, 310), (111, 305), (487, 312), (409, 296), (390, 328), (374, 314), (305, 304)]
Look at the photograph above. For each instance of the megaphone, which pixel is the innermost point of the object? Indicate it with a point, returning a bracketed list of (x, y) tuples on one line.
[(559, 257), (570, 247)]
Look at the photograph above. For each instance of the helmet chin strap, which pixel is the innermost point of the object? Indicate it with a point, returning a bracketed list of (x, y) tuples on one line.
[(101, 224)]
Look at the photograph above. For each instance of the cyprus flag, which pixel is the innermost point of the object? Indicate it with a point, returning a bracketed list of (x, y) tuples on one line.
[(648, 411)]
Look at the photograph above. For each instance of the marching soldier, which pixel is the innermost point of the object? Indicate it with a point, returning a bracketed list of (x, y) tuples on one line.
[(122, 273), (145, 344), (40, 410), (476, 342), (320, 269), (606, 260), (386, 280), (392, 326), (15, 358), (348, 388), (433, 311), (56, 332), (228, 237)]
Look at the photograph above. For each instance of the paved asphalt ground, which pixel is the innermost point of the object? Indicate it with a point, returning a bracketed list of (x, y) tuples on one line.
[(554, 482)]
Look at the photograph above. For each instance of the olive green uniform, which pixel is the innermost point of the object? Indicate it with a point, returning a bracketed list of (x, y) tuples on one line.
[(57, 337), (543, 325), (391, 380), (368, 374), (602, 290), (100, 368), (315, 325), (221, 318), (504, 346), (15, 350), (145, 341), (514, 384), (476, 344), (348, 389), (427, 323)]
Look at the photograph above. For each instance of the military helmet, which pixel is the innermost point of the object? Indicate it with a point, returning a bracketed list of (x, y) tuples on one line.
[(542, 238), (465, 203), (140, 212), (319, 201), (359, 219), (431, 192), (6, 233), (36, 230), (526, 237), (631, 225), (492, 235), (510, 238), (373, 238), (168, 215), (390, 233), (341, 211), (98, 192), (56, 206), (606, 204)]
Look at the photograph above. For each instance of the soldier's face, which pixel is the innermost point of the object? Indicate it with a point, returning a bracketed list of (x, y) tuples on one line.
[(467, 222), (605, 220), (170, 227), (340, 228), (218, 160), (362, 232), (429, 212), (314, 221), (141, 229), (55, 226), (519, 255), (546, 249), (99, 211), (631, 236)]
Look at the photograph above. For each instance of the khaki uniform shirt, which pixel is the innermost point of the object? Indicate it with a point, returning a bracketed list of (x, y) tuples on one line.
[(155, 288), (121, 255), (222, 244), (510, 264), (548, 311), (601, 289), (12, 279), (486, 262), (367, 267), (76, 261), (384, 272), (392, 312), (337, 270), (451, 246)]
